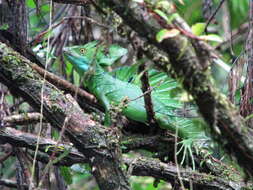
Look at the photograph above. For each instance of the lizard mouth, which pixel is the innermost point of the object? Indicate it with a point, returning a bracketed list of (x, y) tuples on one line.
[(69, 52)]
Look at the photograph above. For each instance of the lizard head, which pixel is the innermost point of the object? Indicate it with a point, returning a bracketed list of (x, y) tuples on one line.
[(83, 56)]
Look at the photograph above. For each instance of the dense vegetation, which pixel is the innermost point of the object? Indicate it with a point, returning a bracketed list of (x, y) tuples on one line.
[(126, 94)]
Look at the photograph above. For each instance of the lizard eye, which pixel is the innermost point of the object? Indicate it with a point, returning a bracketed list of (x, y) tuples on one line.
[(82, 51)]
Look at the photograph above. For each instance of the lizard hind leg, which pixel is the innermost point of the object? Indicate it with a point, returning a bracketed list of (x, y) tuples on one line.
[(186, 150)]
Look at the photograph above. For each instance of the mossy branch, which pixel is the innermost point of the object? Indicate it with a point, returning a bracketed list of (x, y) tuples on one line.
[(139, 167), (86, 135)]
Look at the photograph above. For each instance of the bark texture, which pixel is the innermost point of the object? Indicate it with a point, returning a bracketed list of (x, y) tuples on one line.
[(139, 167), (89, 137)]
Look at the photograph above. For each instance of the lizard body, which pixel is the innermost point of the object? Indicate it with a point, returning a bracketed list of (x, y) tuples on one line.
[(109, 89)]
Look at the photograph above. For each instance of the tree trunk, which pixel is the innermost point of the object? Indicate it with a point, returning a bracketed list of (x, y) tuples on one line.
[(13, 18)]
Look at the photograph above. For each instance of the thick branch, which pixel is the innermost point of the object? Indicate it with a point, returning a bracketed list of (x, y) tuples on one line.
[(62, 111), (46, 145), (9, 183), (215, 107), (139, 167), (67, 86), (169, 172)]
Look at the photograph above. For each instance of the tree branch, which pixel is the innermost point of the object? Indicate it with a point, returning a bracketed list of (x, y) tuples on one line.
[(140, 167), (169, 172), (9, 183), (68, 87), (60, 110), (46, 146), (22, 119)]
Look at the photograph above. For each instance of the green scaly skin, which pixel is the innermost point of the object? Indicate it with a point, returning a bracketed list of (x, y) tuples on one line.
[(109, 89)]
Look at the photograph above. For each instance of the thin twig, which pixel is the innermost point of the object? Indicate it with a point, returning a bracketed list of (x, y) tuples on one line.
[(22, 119), (213, 15), (42, 98), (39, 36), (146, 88), (63, 84)]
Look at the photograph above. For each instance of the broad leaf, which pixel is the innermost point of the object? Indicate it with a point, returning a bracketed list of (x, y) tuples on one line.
[(198, 28), (165, 33), (211, 37), (30, 4), (161, 14)]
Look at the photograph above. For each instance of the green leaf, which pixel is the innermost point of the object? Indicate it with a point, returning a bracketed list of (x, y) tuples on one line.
[(55, 134), (198, 28), (34, 20), (31, 4), (165, 33), (68, 68), (211, 37), (161, 14), (45, 8), (65, 172)]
